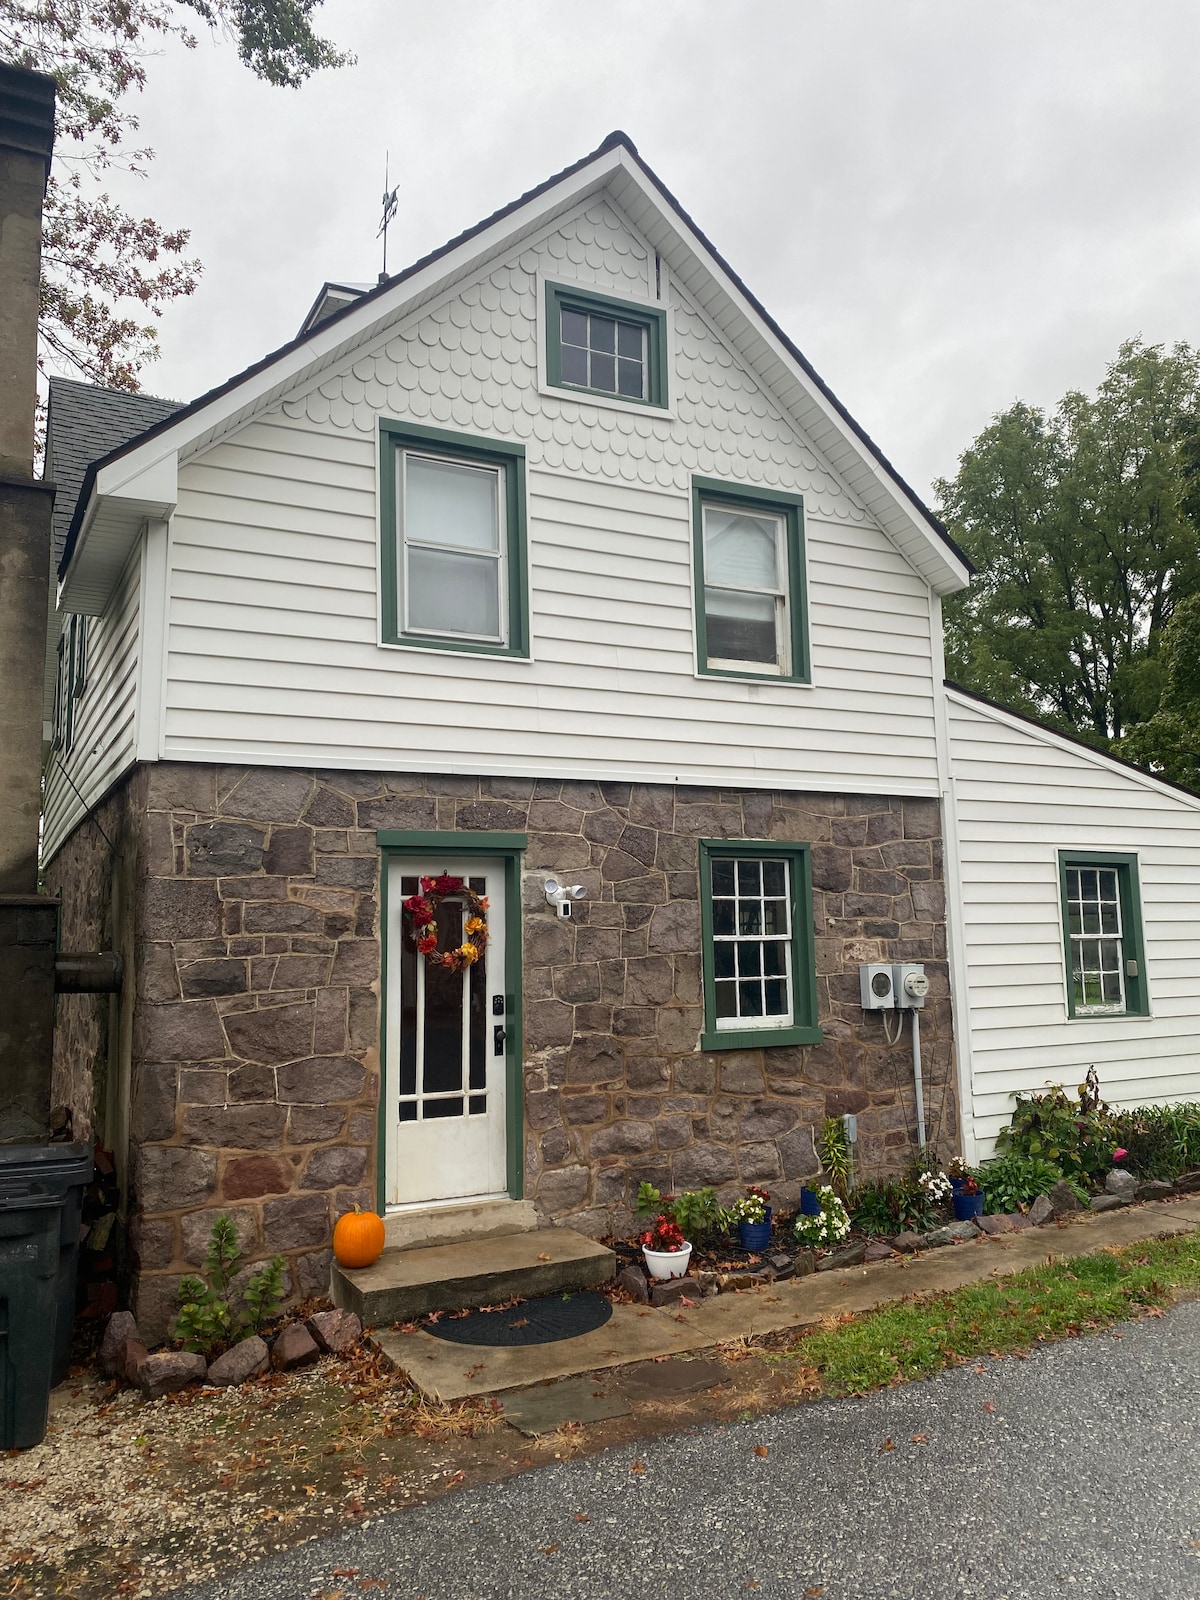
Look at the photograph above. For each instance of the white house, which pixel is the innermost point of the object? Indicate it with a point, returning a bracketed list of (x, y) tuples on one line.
[(551, 561)]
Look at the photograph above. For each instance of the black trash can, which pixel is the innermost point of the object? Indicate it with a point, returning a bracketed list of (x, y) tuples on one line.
[(65, 1169), (30, 1214)]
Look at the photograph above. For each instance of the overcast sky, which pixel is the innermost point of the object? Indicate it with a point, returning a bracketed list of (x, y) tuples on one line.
[(947, 204)]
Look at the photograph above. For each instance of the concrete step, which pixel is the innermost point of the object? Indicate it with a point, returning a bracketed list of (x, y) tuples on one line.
[(405, 1284), (447, 1224)]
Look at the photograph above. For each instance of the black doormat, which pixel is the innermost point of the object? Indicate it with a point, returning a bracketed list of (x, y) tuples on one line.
[(559, 1316)]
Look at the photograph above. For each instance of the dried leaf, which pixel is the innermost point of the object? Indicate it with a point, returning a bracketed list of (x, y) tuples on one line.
[(543, 1257), (815, 1593), (639, 1468), (549, 1549), (762, 1449), (344, 1572), (988, 1405), (582, 1516), (372, 1583), (887, 1444)]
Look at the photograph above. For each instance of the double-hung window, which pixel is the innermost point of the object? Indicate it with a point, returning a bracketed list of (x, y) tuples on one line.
[(453, 530), (759, 978), (1102, 933), (602, 345), (751, 616)]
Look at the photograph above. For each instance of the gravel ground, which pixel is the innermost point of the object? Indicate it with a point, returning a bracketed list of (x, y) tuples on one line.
[(1075, 1471)]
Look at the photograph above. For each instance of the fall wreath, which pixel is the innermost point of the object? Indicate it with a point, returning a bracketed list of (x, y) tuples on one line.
[(420, 913)]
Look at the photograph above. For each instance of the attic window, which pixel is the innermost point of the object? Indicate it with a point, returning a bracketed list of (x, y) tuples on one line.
[(601, 345)]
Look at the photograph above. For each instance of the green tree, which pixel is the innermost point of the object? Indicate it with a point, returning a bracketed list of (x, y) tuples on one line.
[(1169, 741), (104, 270), (1084, 537)]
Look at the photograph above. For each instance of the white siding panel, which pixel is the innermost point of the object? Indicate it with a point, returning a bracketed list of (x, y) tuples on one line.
[(103, 746), (273, 650), (1022, 795)]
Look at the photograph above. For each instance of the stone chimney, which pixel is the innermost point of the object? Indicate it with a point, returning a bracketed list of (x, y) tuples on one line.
[(28, 921)]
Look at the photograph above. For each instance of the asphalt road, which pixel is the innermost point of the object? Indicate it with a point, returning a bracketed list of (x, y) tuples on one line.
[(1084, 1480)]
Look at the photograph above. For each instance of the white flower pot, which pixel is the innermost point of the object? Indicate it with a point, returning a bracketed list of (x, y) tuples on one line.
[(667, 1263)]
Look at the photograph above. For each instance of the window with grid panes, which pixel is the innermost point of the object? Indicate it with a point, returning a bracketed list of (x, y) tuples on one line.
[(759, 984), (1102, 935), (603, 345)]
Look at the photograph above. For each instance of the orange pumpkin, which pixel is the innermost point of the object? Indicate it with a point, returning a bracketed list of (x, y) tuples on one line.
[(358, 1238)]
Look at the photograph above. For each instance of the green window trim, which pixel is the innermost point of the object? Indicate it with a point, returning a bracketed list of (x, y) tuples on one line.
[(475, 451), (1133, 948), (509, 846), (711, 491), (653, 319), (804, 1028)]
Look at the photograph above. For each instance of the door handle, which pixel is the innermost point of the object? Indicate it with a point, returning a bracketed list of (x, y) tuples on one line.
[(499, 1035)]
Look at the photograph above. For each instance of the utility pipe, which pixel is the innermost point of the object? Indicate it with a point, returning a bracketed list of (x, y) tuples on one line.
[(918, 1085)]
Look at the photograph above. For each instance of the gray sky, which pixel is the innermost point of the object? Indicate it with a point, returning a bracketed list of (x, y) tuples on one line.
[(947, 204)]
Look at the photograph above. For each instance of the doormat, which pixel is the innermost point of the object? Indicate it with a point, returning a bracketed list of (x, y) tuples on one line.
[(559, 1316)]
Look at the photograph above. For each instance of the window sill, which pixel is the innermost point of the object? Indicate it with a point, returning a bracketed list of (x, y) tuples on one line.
[(759, 1038), (455, 647), (613, 402), (1108, 1016), (786, 680)]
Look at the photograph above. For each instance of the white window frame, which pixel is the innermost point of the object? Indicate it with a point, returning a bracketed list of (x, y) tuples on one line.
[(762, 1020), (781, 667), (403, 544)]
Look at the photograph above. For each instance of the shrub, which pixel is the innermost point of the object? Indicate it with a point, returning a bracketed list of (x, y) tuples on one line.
[(1072, 1132), (1161, 1141), (207, 1320), (899, 1205), (836, 1157), (697, 1212), (1011, 1181)]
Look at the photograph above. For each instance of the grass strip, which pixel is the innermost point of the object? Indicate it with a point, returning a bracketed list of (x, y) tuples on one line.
[(1059, 1300)]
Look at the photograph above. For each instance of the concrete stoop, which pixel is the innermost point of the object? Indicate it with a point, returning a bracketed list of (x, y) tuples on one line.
[(407, 1283)]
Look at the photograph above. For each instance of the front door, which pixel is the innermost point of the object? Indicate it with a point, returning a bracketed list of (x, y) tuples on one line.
[(446, 1058)]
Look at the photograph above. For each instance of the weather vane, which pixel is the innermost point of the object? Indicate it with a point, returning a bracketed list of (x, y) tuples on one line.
[(389, 211)]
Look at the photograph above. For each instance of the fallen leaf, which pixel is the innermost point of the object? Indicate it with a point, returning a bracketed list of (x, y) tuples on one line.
[(752, 1583), (1156, 1311), (988, 1406), (543, 1257), (981, 1370), (549, 1549), (521, 1322), (815, 1592), (920, 1438), (372, 1583), (762, 1449), (344, 1572), (638, 1467), (582, 1516), (887, 1444)]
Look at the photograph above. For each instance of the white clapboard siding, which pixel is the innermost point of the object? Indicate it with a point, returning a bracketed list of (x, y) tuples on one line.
[(273, 652), (1023, 794), (103, 745)]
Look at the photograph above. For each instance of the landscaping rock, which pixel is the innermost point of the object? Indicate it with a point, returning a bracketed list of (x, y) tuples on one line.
[(1107, 1202), (1154, 1189), (952, 1233), (670, 1291), (850, 1255), (747, 1279), (1000, 1223), (295, 1347), (133, 1353), (1041, 1211), (247, 1359), (804, 1262), (633, 1281), (119, 1328), (877, 1250), (1020, 1221), (170, 1370), (1118, 1181), (908, 1242), (781, 1264), (1189, 1183), (335, 1331), (1064, 1199)]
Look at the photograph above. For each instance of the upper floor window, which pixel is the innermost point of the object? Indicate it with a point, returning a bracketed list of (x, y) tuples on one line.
[(1102, 930), (605, 346), (751, 617), (452, 521)]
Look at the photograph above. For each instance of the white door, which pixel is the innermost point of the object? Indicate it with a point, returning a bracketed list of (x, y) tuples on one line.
[(445, 1063)]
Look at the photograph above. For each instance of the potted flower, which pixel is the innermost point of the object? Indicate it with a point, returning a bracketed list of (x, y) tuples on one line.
[(752, 1213), (828, 1227), (968, 1200), (810, 1202), (959, 1172), (666, 1251), (937, 1186)]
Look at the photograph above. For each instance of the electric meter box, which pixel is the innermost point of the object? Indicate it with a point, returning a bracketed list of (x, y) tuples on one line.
[(910, 984), (877, 983)]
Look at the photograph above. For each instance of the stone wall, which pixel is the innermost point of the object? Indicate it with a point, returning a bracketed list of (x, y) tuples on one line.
[(255, 1059)]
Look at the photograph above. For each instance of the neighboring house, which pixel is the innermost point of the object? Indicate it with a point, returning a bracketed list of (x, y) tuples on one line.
[(552, 559)]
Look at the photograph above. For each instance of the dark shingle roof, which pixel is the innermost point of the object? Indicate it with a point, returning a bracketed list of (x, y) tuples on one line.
[(85, 423)]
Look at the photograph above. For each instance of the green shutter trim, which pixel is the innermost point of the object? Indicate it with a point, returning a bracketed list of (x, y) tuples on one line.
[(791, 508), (571, 297), (401, 842), (1133, 943), (805, 1030), (489, 452)]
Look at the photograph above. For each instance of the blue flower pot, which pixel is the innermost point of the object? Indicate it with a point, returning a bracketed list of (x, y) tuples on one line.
[(755, 1235), (956, 1184), (967, 1206), (810, 1203)]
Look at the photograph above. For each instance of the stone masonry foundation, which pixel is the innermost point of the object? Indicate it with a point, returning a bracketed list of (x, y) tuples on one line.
[(254, 1045)]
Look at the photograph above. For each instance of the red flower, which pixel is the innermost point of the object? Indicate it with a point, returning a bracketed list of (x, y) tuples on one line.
[(427, 944), (446, 884), (419, 910)]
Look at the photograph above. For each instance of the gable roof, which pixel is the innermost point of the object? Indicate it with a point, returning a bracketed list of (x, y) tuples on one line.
[(84, 424), (616, 164)]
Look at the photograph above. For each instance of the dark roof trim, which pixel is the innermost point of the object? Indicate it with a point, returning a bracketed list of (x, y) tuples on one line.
[(615, 140), (1071, 738)]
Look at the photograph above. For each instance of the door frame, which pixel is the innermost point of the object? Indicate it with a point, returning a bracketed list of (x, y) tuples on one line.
[(508, 847)]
